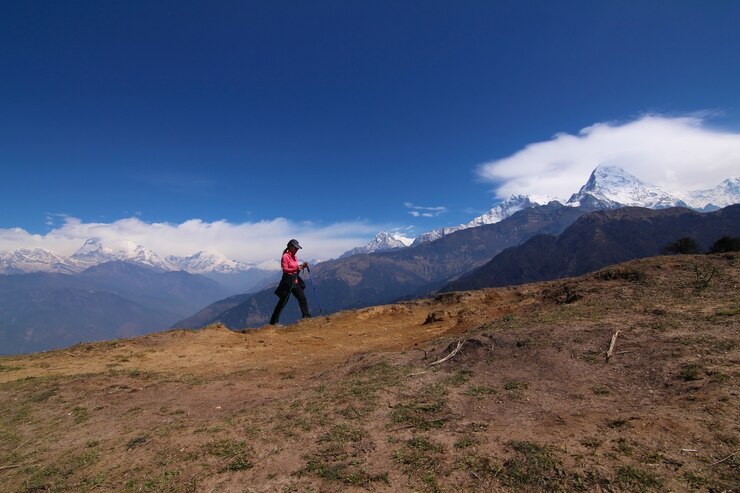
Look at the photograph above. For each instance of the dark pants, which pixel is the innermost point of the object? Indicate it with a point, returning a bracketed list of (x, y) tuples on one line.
[(297, 291)]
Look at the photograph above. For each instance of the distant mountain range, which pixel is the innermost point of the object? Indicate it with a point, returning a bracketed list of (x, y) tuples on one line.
[(608, 187), (44, 310), (93, 252), (597, 240)]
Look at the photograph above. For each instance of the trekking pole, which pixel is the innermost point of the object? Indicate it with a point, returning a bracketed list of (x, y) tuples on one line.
[(315, 294)]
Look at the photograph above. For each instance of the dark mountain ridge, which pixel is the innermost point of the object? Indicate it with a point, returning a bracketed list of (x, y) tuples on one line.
[(597, 240)]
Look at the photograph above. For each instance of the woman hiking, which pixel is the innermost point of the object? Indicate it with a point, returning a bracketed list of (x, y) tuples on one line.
[(291, 282)]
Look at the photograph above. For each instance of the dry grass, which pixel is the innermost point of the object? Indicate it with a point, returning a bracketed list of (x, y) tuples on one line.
[(350, 403)]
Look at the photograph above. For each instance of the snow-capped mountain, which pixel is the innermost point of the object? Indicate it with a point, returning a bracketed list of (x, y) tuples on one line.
[(35, 260), (496, 214), (93, 252), (382, 241), (608, 187), (205, 262), (724, 194), (503, 210), (611, 187)]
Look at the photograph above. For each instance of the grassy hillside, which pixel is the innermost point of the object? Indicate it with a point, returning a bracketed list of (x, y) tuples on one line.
[(354, 401)]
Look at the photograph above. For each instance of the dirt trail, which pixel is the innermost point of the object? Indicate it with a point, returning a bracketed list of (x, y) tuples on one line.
[(309, 344)]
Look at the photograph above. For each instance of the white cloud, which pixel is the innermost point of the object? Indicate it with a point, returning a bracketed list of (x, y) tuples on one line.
[(422, 211), (259, 242), (678, 154)]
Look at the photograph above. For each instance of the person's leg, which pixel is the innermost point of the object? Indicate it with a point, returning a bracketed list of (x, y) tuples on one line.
[(302, 302), (278, 309)]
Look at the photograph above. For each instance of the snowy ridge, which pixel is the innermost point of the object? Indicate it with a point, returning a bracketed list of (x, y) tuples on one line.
[(36, 260), (724, 194), (497, 214), (94, 252), (382, 241), (205, 262)]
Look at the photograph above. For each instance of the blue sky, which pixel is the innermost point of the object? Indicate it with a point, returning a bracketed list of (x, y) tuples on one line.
[(332, 120)]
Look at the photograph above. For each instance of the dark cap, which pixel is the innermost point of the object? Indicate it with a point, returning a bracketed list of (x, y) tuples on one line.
[(295, 244)]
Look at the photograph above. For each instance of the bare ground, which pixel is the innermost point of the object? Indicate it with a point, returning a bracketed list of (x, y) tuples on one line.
[(353, 401)]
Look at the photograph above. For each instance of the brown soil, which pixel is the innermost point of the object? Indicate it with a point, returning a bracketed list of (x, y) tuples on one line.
[(354, 401)]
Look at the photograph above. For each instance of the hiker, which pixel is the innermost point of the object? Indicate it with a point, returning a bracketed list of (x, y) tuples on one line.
[(291, 282)]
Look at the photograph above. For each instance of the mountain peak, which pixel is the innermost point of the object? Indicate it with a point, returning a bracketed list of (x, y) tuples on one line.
[(385, 240), (91, 246), (610, 187)]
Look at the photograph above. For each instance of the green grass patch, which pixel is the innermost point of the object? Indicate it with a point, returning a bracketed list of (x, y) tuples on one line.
[(343, 433), (602, 390), (690, 372), (637, 479), (480, 467), (44, 395), (341, 458), (426, 411), (458, 378), (80, 414), (515, 389), (419, 455), (480, 391), (360, 391), (466, 442), (237, 454), (137, 442), (532, 465)]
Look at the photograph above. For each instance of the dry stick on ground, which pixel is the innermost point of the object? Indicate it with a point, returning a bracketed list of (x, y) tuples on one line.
[(611, 346), (453, 353), (17, 465), (722, 460), (22, 444)]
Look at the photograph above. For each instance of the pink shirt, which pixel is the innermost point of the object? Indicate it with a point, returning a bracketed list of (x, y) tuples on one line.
[(290, 264)]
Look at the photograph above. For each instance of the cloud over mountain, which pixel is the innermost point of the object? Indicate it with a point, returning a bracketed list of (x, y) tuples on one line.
[(677, 154), (258, 242)]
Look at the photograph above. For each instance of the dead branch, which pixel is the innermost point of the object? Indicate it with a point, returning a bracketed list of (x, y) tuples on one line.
[(452, 354), (610, 352), (722, 460), (14, 466), (22, 444)]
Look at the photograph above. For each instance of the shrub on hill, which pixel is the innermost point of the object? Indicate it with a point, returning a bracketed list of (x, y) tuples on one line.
[(682, 246), (726, 244)]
